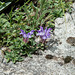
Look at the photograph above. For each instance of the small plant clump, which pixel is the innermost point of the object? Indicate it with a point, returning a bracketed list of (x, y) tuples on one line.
[(19, 29), (29, 44)]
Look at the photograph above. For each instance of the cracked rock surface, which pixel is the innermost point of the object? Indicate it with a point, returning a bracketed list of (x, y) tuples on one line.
[(61, 47)]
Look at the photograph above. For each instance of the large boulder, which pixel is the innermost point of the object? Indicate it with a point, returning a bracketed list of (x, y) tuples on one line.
[(65, 33)]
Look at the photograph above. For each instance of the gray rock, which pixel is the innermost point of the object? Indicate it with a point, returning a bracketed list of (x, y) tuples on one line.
[(73, 17), (2, 53), (63, 32), (59, 21), (73, 5), (2, 74), (1, 56)]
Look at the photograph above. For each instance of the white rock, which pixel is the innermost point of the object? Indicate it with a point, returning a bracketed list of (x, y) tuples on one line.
[(73, 17), (73, 5), (67, 17), (4, 48), (1, 56), (63, 31), (59, 21)]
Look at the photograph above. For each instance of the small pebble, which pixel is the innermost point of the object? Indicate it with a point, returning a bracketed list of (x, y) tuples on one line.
[(67, 59), (49, 56)]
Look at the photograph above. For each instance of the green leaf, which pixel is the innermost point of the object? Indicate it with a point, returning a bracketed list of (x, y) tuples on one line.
[(3, 5), (11, 47)]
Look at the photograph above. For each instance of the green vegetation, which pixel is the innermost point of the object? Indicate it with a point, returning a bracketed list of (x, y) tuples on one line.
[(28, 17)]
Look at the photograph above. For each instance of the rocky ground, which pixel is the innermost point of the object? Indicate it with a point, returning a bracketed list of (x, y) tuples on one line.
[(57, 59)]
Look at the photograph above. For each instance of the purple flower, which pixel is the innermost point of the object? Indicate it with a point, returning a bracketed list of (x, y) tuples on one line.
[(22, 32), (17, 8), (31, 32), (26, 36), (44, 34)]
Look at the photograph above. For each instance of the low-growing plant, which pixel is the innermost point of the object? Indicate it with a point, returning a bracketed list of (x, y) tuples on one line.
[(27, 19), (28, 45)]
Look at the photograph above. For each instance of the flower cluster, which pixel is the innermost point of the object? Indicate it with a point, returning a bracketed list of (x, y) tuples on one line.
[(43, 34), (26, 36)]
